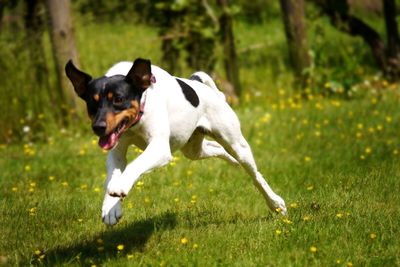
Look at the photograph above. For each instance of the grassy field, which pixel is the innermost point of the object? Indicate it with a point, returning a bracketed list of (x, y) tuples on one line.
[(335, 162), (334, 157)]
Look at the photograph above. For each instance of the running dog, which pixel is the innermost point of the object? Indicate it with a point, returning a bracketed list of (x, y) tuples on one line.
[(142, 104)]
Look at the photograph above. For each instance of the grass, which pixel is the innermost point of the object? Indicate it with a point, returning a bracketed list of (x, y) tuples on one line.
[(335, 162)]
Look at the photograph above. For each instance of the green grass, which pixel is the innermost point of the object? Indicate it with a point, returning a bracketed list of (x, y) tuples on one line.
[(335, 162)]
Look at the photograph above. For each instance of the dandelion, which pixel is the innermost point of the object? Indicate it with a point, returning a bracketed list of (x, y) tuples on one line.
[(278, 232), (388, 119), (120, 247), (176, 200), (294, 205), (65, 184), (372, 236), (80, 220), (195, 246), (146, 200), (307, 158), (368, 150), (38, 252), (349, 264), (184, 241), (14, 189), (379, 127), (27, 168), (266, 118), (306, 218), (32, 211), (359, 135), (395, 152), (51, 178), (96, 189), (362, 157), (360, 126), (84, 186), (313, 249), (189, 172), (310, 188), (339, 215), (287, 221), (194, 199), (338, 261)]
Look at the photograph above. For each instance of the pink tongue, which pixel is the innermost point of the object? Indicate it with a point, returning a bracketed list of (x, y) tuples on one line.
[(107, 142)]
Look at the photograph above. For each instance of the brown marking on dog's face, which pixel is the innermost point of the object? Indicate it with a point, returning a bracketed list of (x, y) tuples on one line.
[(96, 97), (110, 95), (114, 119)]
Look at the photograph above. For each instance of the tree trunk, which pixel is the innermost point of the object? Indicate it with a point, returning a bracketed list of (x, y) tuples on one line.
[(393, 40), (228, 42), (2, 4), (63, 46), (33, 40), (295, 30)]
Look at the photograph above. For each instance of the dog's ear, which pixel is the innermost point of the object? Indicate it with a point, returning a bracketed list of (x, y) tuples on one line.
[(140, 74), (78, 78)]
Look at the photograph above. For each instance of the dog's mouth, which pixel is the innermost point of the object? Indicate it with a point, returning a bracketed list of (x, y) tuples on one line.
[(109, 141)]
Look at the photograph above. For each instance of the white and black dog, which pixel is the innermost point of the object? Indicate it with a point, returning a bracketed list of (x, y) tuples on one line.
[(142, 104)]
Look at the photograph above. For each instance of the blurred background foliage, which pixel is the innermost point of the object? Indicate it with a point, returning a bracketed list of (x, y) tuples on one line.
[(183, 36)]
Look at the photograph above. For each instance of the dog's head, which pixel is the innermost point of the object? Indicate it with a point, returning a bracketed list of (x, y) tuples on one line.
[(113, 103)]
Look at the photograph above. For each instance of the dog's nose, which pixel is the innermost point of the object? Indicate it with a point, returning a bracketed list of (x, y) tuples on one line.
[(99, 127)]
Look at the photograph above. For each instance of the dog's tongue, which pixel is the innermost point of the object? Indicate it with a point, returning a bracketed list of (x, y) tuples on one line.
[(107, 142)]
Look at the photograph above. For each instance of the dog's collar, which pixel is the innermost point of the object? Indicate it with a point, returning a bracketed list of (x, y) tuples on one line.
[(142, 100)]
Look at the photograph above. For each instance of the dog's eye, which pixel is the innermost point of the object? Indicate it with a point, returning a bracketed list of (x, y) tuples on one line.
[(118, 100)]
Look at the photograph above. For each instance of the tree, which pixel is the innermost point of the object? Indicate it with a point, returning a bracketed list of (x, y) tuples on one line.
[(33, 40), (295, 30), (386, 57), (228, 43), (63, 46), (393, 40)]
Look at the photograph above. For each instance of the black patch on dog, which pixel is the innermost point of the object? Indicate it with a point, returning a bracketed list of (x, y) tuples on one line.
[(189, 93), (196, 78)]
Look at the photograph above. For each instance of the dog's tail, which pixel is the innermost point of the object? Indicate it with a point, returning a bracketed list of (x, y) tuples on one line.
[(203, 77)]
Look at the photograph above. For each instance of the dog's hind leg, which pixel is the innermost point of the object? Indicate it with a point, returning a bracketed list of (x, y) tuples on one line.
[(227, 132), (200, 148)]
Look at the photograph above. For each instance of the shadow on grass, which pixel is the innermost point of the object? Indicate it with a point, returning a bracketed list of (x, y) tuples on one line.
[(104, 247)]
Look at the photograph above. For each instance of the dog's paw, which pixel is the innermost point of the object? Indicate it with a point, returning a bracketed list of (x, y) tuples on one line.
[(119, 188), (111, 211), (277, 204)]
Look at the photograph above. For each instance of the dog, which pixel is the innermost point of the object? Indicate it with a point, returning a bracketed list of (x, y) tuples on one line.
[(142, 104)]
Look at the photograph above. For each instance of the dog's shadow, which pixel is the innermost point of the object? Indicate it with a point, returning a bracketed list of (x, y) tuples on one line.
[(107, 245)]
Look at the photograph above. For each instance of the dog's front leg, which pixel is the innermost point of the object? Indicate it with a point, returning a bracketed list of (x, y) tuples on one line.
[(157, 154), (116, 163)]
